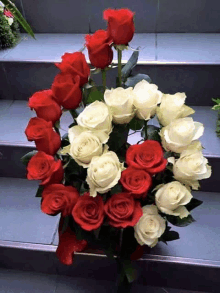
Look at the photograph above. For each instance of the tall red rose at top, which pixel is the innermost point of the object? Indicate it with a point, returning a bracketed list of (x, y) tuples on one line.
[(100, 52), (120, 25), (147, 156), (75, 64)]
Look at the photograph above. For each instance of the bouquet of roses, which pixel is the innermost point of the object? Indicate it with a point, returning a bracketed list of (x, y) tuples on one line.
[(112, 192)]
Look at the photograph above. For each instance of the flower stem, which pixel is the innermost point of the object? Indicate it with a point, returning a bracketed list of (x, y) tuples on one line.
[(104, 78), (119, 67), (145, 129)]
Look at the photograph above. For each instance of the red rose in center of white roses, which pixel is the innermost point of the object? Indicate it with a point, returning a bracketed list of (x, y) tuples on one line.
[(123, 211), (147, 156)]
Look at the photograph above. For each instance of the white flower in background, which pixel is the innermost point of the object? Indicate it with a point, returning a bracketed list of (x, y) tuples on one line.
[(104, 173), (9, 19), (96, 117), (172, 107), (84, 145), (120, 103), (191, 166), (150, 226), (146, 99), (171, 197), (179, 134)]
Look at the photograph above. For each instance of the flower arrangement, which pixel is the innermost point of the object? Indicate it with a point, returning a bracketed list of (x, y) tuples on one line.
[(217, 108), (112, 193), (9, 30)]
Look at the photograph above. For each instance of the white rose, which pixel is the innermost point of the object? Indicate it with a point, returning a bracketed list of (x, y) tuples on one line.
[(171, 198), (172, 107), (96, 117), (83, 146), (146, 99), (150, 226), (103, 173), (191, 166), (179, 134), (120, 103)]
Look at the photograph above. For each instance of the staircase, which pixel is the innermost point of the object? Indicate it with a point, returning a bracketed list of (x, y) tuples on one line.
[(180, 51)]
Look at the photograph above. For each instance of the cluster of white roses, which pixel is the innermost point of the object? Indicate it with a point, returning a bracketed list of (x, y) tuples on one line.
[(179, 134)]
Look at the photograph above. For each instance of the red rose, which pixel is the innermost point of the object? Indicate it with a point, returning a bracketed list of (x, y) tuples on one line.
[(89, 212), (75, 64), (100, 52), (68, 244), (66, 90), (123, 211), (135, 181), (43, 167), (57, 198), (147, 156), (46, 139), (44, 105), (120, 25)]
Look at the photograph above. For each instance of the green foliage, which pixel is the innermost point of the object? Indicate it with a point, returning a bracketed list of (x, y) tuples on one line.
[(13, 9), (152, 133), (95, 96), (116, 189), (176, 221), (39, 191), (126, 70), (217, 108), (133, 80), (136, 124), (8, 39), (194, 203), (26, 158), (118, 137), (169, 235)]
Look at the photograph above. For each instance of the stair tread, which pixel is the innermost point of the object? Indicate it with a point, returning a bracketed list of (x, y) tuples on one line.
[(16, 116), (161, 48), (21, 221)]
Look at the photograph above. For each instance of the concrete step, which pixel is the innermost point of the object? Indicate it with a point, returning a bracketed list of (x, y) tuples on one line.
[(15, 281), (175, 62), (150, 16), (27, 240), (14, 115)]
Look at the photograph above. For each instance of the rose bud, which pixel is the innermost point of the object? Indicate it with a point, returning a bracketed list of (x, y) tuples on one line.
[(89, 212), (66, 90), (42, 133), (58, 198), (44, 167), (147, 156), (75, 64), (45, 107), (68, 244), (137, 182), (100, 52), (122, 210), (120, 25)]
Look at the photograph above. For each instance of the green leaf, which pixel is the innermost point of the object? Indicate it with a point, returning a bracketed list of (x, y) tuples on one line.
[(129, 270), (176, 221), (65, 140), (116, 189), (136, 124), (194, 203), (66, 222), (39, 191), (118, 137), (133, 80), (26, 158), (169, 236), (13, 9), (95, 96), (126, 70), (152, 133)]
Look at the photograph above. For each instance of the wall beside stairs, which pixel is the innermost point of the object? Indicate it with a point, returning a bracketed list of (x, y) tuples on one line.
[(163, 16)]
